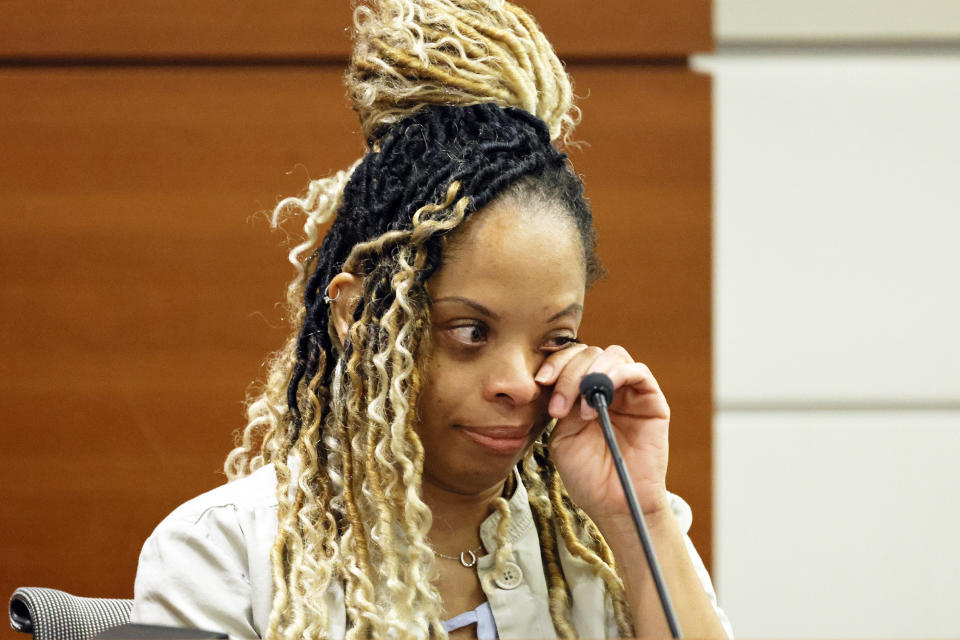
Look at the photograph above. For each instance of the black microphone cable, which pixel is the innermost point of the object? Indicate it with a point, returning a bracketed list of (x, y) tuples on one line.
[(597, 388)]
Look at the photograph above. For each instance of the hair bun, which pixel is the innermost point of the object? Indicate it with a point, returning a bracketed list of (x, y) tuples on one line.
[(408, 54)]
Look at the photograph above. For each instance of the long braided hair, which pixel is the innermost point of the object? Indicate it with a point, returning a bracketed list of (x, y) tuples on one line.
[(338, 420)]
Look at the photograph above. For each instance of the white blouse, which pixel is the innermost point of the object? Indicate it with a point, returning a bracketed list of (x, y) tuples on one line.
[(207, 565)]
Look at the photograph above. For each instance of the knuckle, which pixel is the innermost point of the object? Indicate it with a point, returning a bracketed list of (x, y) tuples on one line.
[(618, 350), (644, 368), (567, 377)]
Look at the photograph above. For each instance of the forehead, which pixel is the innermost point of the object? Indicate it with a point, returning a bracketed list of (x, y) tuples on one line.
[(510, 250)]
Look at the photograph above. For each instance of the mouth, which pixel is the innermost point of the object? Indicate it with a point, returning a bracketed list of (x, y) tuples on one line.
[(504, 440)]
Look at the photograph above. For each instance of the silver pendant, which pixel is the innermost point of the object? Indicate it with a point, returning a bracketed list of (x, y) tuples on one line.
[(468, 558)]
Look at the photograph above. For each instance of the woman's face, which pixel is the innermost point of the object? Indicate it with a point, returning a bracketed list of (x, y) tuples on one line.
[(510, 293)]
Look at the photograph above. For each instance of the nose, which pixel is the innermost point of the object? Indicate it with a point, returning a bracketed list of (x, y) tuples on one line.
[(511, 378)]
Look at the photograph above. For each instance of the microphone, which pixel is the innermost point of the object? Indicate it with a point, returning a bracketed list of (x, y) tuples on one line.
[(594, 385), (597, 390)]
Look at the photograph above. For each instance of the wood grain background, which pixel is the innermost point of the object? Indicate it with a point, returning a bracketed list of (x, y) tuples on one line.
[(262, 30), (142, 144)]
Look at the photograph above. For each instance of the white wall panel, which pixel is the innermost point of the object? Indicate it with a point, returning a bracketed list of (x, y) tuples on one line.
[(838, 525), (837, 234), (818, 20)]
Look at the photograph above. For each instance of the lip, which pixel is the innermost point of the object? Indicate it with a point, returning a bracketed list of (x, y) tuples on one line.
[(504, 440)]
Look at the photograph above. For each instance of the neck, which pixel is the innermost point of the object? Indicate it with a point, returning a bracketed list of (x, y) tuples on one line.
[(457, 516)]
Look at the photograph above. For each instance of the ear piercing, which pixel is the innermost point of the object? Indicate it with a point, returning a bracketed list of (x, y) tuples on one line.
[(326, 295)]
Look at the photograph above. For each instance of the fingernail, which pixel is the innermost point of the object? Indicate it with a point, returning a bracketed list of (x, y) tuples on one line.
[(544, 374), (584, 409), (557, 403)]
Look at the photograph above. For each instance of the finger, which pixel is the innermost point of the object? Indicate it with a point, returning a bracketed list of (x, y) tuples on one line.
[(636, 375), (607, 362), (550, 369), (567, 387), (638, 392)]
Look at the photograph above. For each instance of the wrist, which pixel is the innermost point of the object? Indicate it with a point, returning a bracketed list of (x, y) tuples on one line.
[(659, 520)]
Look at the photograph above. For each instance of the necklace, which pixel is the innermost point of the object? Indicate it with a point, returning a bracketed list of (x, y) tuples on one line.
[(467, 558)]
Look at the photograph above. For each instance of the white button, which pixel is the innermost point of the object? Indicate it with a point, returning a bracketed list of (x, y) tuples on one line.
[(510, 577)]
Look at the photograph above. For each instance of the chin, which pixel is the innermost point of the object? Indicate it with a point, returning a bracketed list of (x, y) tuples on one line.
[(471, 479)]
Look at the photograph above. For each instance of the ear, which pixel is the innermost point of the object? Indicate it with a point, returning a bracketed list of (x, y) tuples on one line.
[(344, 290)]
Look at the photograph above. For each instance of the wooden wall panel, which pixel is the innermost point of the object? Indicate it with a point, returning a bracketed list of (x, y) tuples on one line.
[(256, 29), (647, 173), (138, 292), (139, 282)]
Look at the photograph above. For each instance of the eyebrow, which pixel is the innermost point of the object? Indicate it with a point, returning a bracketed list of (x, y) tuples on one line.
[(476, 306), (571, 310)]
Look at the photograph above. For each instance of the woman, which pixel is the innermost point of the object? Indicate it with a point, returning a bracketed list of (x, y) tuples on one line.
[(419, 462)]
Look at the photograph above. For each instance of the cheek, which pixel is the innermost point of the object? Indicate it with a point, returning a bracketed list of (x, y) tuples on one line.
[(446, 390)]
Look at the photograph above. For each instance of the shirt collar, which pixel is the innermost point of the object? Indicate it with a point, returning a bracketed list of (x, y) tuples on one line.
[(521, 519)]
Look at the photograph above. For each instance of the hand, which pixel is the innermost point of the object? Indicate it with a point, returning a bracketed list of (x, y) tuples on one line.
[(640, 418)]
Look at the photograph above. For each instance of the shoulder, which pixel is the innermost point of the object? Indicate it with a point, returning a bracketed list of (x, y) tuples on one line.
[(218, 528), (255, 491), (206, 565)]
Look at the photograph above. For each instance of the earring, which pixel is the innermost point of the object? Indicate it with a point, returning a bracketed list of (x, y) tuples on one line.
[(326, 298)]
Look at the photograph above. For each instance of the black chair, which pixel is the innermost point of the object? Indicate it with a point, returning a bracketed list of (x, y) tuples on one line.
[(50, 614)]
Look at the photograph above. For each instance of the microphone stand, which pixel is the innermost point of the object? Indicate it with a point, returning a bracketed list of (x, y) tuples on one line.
[(597, 398)]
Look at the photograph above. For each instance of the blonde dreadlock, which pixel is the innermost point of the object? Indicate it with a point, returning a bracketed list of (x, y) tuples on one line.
[(454, 52)]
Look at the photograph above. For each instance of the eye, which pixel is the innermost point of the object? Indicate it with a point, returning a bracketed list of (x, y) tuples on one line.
[(471, 334), (559, 343)]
